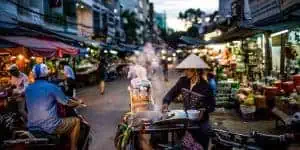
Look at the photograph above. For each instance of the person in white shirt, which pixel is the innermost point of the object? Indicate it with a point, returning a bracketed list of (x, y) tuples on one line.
[(18, 79), (20, 82)]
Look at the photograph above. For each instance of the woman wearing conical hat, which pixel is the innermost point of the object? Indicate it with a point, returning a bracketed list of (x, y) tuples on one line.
[(194, 80)]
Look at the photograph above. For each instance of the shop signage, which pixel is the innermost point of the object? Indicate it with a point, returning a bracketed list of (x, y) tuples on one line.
[(262, 9)]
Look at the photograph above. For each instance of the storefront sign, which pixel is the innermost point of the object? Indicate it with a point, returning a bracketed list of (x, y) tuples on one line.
[(262, 9)]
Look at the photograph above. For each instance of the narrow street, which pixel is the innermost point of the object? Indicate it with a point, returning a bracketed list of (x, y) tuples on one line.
[(105, 111)]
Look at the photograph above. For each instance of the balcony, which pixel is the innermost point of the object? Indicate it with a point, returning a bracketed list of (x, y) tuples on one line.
[(264, 9), (59, 22)]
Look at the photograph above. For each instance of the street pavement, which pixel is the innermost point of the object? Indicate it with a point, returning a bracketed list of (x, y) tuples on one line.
[(104, 111)]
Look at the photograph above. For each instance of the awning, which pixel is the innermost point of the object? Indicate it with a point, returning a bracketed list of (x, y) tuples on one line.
[(4, 52), (235, 33), (6, 44), (46, 48), (192, 41), (78, 38)]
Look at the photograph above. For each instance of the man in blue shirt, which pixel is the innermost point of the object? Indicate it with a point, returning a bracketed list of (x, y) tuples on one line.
[(41, 100)]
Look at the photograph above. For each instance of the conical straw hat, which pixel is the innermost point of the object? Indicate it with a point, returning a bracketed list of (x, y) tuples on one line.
[(192, 62)]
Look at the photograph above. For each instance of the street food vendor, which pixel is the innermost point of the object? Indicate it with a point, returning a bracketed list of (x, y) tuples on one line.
[(194, 67)]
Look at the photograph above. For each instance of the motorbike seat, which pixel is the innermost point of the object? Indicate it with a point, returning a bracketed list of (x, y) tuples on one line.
[(53, 138)]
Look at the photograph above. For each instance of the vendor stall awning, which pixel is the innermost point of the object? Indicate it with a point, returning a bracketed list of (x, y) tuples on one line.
[(42, 47), (235, 33)]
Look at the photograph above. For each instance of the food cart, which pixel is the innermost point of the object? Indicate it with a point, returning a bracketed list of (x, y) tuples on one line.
[(153, 130)]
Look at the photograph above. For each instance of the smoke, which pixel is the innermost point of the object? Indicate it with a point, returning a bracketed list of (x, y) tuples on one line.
[(151, 62)]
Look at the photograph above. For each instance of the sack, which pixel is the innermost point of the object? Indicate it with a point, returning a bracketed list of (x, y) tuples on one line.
[(188, 142)]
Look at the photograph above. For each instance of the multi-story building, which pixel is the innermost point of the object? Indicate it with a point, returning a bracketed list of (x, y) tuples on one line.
[(142, 10), (58, 17), (84, 13), (112, 21), (161, 21)]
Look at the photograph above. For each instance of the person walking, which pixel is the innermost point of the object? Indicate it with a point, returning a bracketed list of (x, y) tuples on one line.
[(101, 75), (165, 69)]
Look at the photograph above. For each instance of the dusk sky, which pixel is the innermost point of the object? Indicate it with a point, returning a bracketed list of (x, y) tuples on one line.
[(173, 7)]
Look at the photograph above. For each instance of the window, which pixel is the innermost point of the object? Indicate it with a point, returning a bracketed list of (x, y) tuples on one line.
[(96, 20)]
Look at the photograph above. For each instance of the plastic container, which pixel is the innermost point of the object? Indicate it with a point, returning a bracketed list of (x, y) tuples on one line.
[(288, 86)]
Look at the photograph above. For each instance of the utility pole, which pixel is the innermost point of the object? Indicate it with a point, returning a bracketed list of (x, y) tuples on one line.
[(268, 55)]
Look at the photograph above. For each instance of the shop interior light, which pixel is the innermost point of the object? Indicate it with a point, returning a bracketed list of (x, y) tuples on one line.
[(81, 6), (195, 51), (136, 52), (20, 57), (163, 57), (163, 51), (179, 51), (77, 4), (174, 54), (169, 58), (32, 57), (105, 51), (88, 49), (279, 33), (113, 52), (86, 55)]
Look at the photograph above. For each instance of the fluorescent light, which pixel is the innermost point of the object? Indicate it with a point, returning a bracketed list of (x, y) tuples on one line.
[(179, 51), (195, 51), (279, 33), (113, 52), (137, 52)]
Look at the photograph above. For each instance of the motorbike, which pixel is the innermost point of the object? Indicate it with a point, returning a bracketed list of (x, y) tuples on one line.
[(22, 139)]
